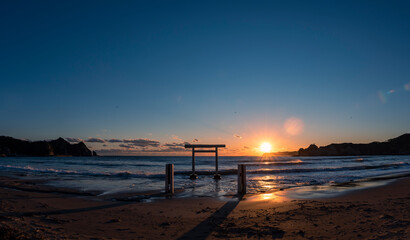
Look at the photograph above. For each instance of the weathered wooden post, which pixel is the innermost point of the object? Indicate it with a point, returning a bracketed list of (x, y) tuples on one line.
[(216, 175), (193, 175), (169, 178), (241, 179)]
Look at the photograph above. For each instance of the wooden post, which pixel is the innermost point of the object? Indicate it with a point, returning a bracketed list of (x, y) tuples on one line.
[(169, 178), (216, 160), (193, 175), (216, 175), (241, 179)]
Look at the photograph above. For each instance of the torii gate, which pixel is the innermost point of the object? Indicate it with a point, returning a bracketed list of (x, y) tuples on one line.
[(193, 146)]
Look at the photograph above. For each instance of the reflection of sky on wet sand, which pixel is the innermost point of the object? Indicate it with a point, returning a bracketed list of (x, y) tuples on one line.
[(326, 191), (275, 197), (314, 192), (265, 183)]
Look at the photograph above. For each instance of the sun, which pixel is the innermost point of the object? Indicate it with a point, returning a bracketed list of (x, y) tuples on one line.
[(266, 147)]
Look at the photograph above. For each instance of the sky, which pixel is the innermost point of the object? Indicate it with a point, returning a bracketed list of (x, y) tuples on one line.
[(145, 77)]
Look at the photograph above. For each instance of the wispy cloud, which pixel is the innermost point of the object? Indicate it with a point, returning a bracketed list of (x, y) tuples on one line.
[(175, 144), (237, 136), (126, 146), (174, 147), (114, 140), (95, 140), (74, 140), (145, 146), (176, 138), (142, 142), (127, 150), (195, 140)]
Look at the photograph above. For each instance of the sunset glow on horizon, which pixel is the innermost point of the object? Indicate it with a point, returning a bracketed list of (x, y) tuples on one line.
[(266, 147), (153, 76), (204, 119)]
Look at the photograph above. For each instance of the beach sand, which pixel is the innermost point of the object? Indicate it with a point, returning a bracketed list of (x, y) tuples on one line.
[(30, 211)]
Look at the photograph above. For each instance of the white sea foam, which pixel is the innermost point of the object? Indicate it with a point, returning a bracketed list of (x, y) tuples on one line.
[(110, 174)]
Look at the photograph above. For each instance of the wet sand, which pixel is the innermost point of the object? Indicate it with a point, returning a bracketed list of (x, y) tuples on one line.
[(31, 211)]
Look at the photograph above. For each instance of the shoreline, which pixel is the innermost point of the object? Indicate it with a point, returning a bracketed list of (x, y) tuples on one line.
[(128, 176), (376, 212), (328, 190)]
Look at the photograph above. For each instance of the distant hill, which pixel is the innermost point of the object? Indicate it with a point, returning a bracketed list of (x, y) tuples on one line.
[(15, 147), (396, 146)]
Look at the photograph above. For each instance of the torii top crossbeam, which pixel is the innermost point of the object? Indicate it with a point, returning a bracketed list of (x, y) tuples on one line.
[(216, 146)]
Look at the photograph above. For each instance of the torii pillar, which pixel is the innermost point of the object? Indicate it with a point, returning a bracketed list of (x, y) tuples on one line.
[(193, 146)]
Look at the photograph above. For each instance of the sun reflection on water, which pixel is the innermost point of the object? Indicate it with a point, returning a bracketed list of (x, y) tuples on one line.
[(265, 183), (276, 197)]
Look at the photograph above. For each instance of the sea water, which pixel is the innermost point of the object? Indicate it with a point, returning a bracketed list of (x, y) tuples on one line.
[(108, 175)]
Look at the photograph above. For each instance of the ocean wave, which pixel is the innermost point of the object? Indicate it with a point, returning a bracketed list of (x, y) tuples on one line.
[(295, 170), (99, 164), (290, 163), (233, 171), (29, 168), (334, 169), (116, 174), (110, 165)]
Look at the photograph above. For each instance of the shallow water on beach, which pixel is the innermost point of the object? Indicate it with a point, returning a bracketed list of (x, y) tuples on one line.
[(110, 175)]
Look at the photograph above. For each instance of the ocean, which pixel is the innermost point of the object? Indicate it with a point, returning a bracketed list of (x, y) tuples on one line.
[(122, 174)]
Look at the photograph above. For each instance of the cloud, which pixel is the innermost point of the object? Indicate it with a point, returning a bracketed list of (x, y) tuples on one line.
[(74, 140), (175, 144), (95, 140), (159, 150), (129, 150), (141, 145), (237, 136), (174, 147), (175, 137), (195, 140), (114, 140), (126, 146), (142, 142)]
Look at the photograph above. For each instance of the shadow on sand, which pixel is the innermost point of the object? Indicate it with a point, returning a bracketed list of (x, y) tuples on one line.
[(206, 227)]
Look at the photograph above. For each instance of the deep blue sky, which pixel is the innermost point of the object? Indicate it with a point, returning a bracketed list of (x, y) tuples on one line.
[(172, 71)]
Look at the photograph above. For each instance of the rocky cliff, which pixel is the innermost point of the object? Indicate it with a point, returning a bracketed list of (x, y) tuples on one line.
[(395, 146), (15, 147)]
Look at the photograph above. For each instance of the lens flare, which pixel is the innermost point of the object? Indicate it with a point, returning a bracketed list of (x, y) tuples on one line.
[(382, 97), (407, 86), (294, 126)]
